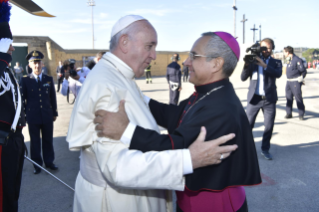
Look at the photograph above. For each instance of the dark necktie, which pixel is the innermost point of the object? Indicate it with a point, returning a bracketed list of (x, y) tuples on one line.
[(38, 81)]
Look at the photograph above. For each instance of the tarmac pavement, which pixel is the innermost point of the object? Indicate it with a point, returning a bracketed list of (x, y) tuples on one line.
[(290, 181)]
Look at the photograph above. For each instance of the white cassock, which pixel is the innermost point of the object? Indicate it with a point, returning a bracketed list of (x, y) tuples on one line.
[(109, 172)]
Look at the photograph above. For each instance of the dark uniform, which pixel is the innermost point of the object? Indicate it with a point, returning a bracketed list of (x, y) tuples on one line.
[(174, 76), (40, 106), (12, 141), (295, 69)]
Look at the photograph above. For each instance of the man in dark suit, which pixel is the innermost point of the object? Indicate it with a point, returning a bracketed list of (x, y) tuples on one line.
[(174, 79), (59, 74), (39, 98), (262, 92)]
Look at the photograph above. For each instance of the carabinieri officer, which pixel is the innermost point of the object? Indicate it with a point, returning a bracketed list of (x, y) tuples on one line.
[(40, 104), (12, 120), (296, 72)]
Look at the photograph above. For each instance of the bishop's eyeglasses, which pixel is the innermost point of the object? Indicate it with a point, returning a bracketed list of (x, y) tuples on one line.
[(192, 56)]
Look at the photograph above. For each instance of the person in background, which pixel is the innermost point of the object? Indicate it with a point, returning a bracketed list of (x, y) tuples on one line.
[(148, 74), (39, 97), (18, 70), (44, 69), (262, 93), (296, 72), (185, 73), (59, 74), (174, 76)]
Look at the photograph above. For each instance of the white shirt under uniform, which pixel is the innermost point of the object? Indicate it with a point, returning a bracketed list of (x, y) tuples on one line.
[(111, 177)]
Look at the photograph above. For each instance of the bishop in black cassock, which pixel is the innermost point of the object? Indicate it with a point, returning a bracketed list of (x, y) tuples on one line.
[(215, 105)]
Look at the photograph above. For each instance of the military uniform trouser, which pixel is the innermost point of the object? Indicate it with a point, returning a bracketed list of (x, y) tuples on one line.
[(173, 96), (293, 89), (47, 143), (12, 158)]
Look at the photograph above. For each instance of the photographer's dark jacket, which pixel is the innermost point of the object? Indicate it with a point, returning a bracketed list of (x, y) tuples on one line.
[(7, 108), (39, 100), (273, 71)]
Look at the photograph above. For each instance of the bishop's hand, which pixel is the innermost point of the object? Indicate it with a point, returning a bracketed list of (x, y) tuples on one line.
[(111, 125)]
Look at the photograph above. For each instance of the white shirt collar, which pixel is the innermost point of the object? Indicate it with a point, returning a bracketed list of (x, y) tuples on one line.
[(36, 76), (122, 66)]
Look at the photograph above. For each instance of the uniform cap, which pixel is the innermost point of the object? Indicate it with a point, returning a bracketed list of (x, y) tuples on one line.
[(124, 22), (5, 32), (230, 41), (34, 55)]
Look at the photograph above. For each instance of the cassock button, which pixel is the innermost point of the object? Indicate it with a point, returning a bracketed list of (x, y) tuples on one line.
[(40, 100), (39, 89), (41, 106), (39, 94)]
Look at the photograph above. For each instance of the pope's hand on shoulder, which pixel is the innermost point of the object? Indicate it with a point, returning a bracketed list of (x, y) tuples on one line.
[(205, 153), (111, 125)]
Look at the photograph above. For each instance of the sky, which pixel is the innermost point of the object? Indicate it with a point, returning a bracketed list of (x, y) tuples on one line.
[(178, 23)]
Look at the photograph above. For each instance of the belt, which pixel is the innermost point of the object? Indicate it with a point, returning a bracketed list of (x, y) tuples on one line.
[(262, 97), (291, 80), (89, 168)]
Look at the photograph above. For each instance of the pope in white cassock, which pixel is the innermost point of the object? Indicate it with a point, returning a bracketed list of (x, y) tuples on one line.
[(107, 168), (109, 172)]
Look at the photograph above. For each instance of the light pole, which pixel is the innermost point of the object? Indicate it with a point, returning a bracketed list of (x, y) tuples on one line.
[(244, 20), (91, 3), (235, 8), (259, 33), (254, 29)]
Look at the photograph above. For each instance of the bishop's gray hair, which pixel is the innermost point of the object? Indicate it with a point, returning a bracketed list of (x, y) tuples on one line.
[(216, 47), (130, 31)]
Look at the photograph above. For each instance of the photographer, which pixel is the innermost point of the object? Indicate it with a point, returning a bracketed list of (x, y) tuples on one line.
[(73, 78), (262, 71)]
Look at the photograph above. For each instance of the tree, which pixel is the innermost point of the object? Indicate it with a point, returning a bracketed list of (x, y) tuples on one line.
[(308, 54)]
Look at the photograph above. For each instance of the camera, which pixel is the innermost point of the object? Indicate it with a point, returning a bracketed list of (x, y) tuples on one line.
[(70, 63), (255, 50)]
